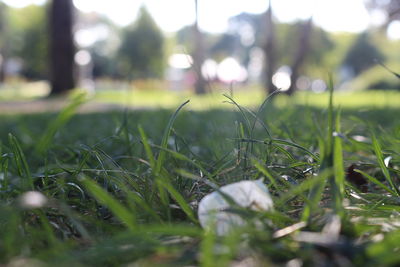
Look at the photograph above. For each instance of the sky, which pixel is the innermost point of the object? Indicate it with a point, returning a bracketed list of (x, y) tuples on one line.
[(171, 15)]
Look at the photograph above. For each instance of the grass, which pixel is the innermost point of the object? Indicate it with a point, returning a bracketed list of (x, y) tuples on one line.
[(22, 90), (123, 187), (246, 96)]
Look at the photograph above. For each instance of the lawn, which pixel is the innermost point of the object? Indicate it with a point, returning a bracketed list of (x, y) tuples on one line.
[(123, 187), (246, 96)]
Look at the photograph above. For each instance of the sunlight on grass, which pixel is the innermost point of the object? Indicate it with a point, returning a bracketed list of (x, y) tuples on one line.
[(352, 99), (171, 99), (19, 90), (250, 98)]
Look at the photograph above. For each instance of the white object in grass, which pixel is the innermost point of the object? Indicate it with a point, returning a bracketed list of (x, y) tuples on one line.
[(215, 209), (33, 200)]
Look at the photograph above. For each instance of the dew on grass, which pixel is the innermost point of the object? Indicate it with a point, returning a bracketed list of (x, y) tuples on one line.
[(387, 161), (360, 138)]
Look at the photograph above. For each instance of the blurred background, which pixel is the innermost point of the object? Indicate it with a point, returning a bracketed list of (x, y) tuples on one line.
[(196, 46)]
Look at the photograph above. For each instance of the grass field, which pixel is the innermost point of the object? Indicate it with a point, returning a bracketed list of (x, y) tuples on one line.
[(247, 96), (122, 188)]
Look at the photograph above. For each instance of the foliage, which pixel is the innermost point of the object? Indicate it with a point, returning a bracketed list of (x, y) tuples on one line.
[(3, 41), (29, 40), (288, 36), (143, 48), (141, 51), (391, 8), (376, 78), (316, 63), (224, 47), (362, 55), (3, 24), (334, 58), (104, 51)]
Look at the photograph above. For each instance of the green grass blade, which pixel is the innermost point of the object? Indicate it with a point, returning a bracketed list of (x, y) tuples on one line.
[(135, 199), (63, 117), (175, 229), (289, 143), (139, 201), (232, 244), (47, 229), (338, 168), (4, 181), (329, 140), (161, 158), (10, 235), (381, 163), (242, 112), (147, 148), (21, 163), (285, 152), (182, 157), (385, 251), (376, 181), (303, 187), (207, 247), (313, 199), (126, 134), (257, 115), (180, 200), (266, 173), (164, 142), (327, 164), (106, 199), (74, 219)]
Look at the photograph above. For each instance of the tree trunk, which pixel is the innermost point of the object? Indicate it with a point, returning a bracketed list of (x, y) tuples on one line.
[(3, 41), (2, 67), (198, 56), (62, 47), (303, 48), (269, 52)]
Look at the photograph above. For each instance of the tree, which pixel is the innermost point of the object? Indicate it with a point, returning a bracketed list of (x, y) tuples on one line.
[(225, 46), (62, 47), (286, 44), (362, 55), (30, 40), (390, 7), (198, 55), (142, 49), (301, 53), (269, 51), (3, 41)]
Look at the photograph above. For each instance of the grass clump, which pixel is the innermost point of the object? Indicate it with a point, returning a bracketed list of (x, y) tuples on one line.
[(123, 187)]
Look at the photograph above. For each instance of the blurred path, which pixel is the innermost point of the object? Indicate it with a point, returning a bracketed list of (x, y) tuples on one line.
[(52, 105)]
